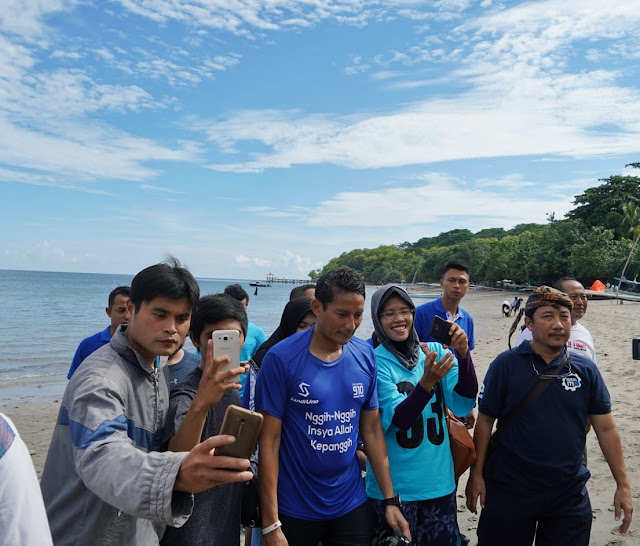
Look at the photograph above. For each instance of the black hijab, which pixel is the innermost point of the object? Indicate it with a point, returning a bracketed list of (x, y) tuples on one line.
[(293, 313), (408, 351)]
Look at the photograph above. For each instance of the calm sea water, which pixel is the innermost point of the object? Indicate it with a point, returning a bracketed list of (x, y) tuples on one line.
[(44, 315)]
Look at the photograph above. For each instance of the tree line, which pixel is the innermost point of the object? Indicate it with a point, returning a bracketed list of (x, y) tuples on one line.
[(596, 240)]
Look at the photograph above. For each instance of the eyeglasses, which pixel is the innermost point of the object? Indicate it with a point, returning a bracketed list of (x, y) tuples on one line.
[(403, 313), (554, 376)]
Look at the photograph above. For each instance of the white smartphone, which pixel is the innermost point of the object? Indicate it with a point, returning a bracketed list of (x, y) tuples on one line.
[(227, 342)]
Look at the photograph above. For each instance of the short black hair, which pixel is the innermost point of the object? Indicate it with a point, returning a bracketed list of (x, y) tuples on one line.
[(299, 291), (168, 279), (118, 291), (237, 292), (558, 284), (215, 308), (459, 266), (341, 279)]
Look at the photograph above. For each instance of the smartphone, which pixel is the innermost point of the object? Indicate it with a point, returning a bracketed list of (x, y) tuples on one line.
[(227, 342), (245, 426), (635, 347), (440, 330)]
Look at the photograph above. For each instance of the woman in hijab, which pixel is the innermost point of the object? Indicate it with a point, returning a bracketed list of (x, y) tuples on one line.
[(414, 379)]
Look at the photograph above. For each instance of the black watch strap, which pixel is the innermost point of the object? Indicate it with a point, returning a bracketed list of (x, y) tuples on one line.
[(393, 501)]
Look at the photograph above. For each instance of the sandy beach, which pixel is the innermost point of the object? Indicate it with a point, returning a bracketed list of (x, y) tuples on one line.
[(612, 327)]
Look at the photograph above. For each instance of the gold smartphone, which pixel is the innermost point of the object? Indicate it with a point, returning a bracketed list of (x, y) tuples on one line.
[(245, 426)]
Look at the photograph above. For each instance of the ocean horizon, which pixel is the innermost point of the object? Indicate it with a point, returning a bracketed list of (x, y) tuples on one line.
[(44, 315)]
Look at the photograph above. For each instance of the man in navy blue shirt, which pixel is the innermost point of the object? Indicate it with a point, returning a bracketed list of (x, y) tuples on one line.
[(532, 484), (117, 313)]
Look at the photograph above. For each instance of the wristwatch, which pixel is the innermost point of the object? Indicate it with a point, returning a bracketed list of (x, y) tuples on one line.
[(393, 501)]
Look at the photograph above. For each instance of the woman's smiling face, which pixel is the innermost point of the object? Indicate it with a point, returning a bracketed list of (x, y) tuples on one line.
[(396, 319)]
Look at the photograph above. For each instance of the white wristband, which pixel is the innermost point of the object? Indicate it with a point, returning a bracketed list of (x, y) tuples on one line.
[(272, 527)]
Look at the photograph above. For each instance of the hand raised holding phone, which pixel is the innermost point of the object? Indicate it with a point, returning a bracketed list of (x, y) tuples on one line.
[(450, 335), (220, 373)]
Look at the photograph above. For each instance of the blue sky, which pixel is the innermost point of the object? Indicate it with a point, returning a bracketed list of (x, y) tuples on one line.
[(255, 136)]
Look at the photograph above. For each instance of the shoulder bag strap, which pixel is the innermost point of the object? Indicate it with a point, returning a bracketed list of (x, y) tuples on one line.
[(529, 399)]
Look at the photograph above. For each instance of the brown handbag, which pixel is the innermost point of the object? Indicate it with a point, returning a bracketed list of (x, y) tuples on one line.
[(462, 446)]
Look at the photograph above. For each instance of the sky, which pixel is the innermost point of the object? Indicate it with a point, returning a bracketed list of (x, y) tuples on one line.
[(254, 136)]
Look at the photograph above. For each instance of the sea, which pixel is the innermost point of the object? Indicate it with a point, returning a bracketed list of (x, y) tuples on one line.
[(44, 315)]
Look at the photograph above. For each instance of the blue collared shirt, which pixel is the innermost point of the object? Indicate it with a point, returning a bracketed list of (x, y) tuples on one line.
[(88, 346)]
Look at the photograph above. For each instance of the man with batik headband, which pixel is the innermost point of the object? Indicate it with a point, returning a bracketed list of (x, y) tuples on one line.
[(580, 339), (531, 482)]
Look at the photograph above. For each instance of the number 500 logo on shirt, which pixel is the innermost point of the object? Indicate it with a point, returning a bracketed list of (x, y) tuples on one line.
[(358, 390)]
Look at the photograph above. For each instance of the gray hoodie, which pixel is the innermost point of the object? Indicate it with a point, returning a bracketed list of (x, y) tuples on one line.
[(103, 481)]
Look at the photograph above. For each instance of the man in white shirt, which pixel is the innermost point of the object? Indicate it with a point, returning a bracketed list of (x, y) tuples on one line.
[(580, 339)]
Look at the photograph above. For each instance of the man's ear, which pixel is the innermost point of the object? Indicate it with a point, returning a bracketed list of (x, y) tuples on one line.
[(130, 309), (196, 342), (316, 307), (107, 310), (528, 322)]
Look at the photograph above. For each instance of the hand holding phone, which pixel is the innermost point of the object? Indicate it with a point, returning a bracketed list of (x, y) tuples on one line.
[(245, 426), (227, 342), (440, 330)]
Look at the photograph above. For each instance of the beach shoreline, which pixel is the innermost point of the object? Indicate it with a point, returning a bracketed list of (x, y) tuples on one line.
[(612, 327)]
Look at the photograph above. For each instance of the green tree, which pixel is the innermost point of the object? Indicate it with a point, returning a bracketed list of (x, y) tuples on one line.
[(600, 205), (631, 219)]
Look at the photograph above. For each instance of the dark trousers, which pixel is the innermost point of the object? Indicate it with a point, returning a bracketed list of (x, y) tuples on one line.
[(353, 529), (553, 517)]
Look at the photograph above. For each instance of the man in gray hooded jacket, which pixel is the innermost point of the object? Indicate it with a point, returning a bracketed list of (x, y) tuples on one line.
[(104, 482)]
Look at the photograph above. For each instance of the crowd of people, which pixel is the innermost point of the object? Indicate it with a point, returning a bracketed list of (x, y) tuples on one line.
[(354, 445)]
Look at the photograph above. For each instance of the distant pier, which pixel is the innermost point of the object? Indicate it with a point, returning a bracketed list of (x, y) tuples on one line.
[(272, 279)]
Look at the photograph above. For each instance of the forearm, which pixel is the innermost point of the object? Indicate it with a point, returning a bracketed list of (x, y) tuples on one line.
[(268, 470), (376, 449), (481, 437), (611, 446), (467, 385), (190, 432), (410, 409)]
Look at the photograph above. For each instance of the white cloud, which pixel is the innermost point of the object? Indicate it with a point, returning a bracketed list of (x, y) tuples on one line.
[(521, 98), (444, 204)]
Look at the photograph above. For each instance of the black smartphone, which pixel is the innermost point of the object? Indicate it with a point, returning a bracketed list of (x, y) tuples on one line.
[(440, 330), (635, 347)]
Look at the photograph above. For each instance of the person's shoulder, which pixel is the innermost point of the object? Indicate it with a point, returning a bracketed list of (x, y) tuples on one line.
[(428, 306), (92, 341), (580, 359), (254, 329), (189, 385), (509, 356), (190, 358)]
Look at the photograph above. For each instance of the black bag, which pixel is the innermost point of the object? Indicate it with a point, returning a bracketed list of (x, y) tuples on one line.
[(250, 510)]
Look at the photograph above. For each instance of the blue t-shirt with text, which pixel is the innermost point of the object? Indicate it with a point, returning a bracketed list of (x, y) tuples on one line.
[(319, 404)]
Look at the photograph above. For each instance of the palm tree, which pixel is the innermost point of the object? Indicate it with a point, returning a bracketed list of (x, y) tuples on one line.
[(631, 217)]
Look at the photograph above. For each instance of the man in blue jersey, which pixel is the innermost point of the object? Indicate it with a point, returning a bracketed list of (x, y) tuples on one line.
[(117, 313), (533, 482), (316, 390)]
